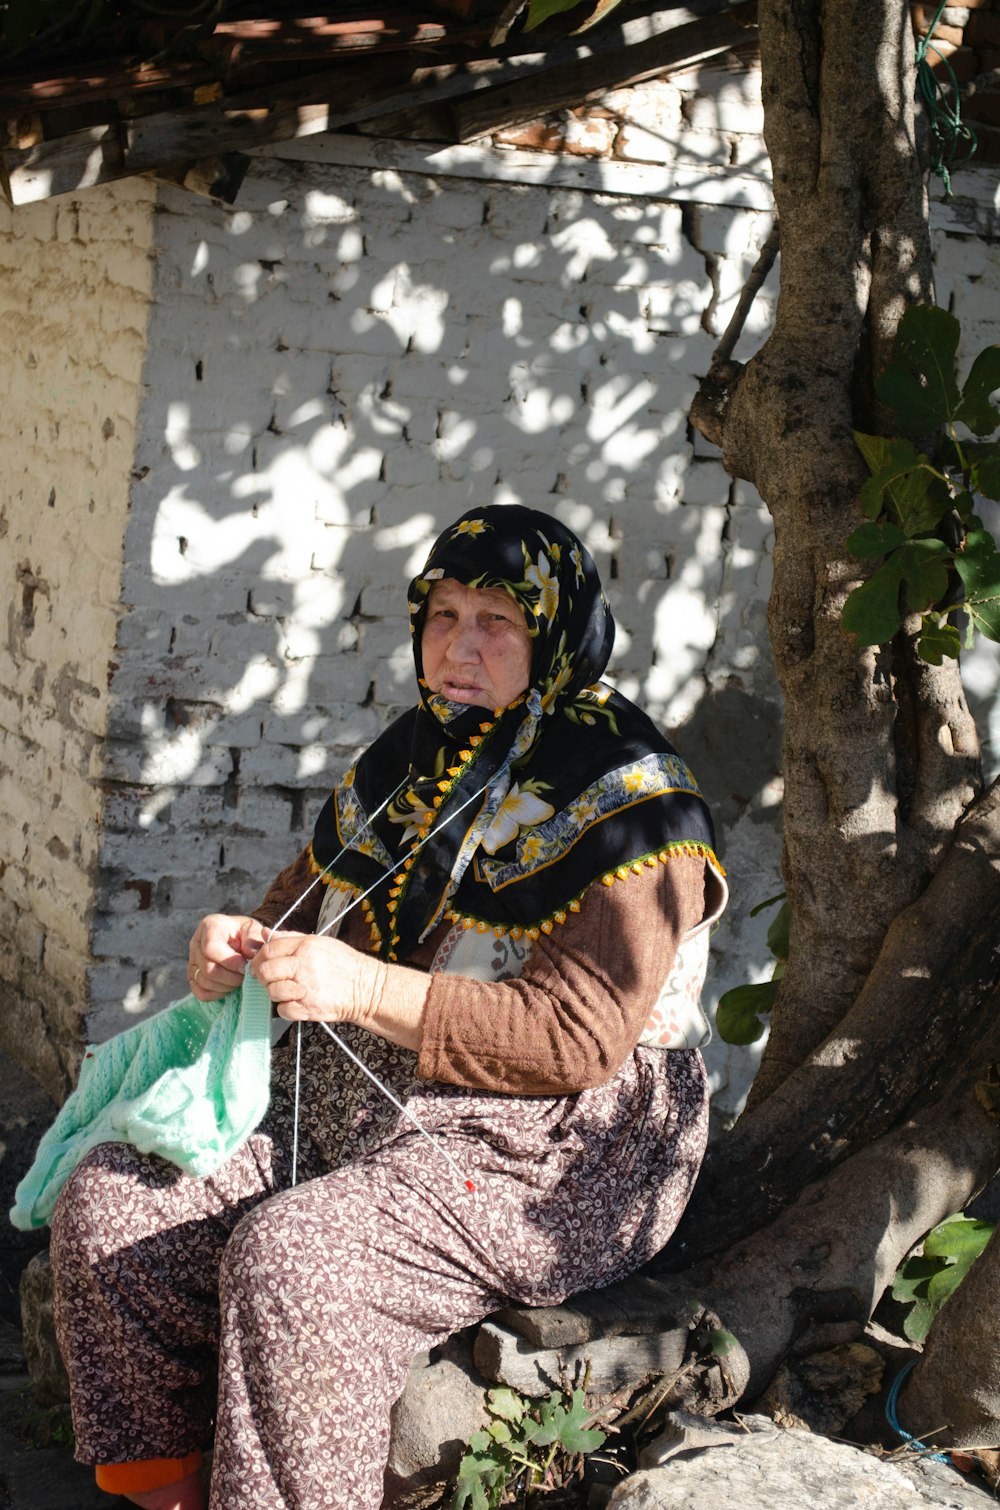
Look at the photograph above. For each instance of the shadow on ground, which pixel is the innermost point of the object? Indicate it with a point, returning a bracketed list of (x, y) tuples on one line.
[(37, 1471)]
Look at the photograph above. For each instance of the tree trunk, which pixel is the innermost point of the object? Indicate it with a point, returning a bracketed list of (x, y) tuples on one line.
[(952, 1398), (922, 1024), (865, 1126), (864, 826), (831, 1255)]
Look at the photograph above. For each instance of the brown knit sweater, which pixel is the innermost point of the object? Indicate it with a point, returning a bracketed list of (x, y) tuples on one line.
[(578, 1009)]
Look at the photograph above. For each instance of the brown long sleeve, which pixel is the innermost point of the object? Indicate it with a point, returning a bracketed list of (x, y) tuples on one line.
[(578, 1010)]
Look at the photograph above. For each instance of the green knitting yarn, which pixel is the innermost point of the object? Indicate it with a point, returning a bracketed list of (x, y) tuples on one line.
[(190, 1084)]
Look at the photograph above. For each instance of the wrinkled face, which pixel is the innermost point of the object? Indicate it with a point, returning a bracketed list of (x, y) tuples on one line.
[(475, 645)]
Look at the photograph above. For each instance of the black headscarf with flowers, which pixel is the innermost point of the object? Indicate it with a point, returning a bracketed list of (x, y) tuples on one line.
[(503, 818)]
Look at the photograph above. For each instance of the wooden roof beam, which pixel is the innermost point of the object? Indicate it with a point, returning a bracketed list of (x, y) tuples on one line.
[(574, 83), (530, 86)]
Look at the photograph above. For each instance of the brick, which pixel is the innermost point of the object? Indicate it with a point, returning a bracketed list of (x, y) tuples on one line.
[(192, 851), (706, 482), (56, 903), (536, 136), (307, 765), (65, 964), (264, 811), (517, 212), (963, 62), (729, 232), (589, 136), (704, 113), (635, 144), (110, 983), (981, 304), (181, 757), (419, 318), (415, 377), (300, 393), (983, 29), (394, 683), (982, 107), (677, 310), (456, 208), (140, 936), (410, 466)]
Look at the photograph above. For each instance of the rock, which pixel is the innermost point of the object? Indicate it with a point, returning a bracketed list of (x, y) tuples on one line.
[(634, 1307), (797, 1470), (824, 1390), (687, 1433), (432, 1422), (11, 1350), (504, 1357), (45, 1366)]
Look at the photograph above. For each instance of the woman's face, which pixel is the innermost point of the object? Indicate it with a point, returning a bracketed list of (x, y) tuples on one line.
[(475, 645)]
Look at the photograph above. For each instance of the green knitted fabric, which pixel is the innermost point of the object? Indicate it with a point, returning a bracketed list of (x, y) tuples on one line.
[(189, 1084)]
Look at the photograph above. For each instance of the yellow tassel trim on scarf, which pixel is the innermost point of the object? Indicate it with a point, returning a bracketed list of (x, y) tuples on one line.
[(619, 873), (516, 931)]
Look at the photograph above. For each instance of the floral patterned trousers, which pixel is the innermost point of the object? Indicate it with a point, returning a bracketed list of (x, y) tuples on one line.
[(286, 1319)]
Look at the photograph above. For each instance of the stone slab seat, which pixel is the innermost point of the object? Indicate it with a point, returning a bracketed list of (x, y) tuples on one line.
[(622, 1335)]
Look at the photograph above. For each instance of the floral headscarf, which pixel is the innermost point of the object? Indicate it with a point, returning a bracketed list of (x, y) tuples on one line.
[(569, 784)]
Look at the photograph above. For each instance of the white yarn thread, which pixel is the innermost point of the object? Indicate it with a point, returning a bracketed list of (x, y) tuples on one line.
[(398, 1105), (295, 1114), (316, 879), (335, 1036)]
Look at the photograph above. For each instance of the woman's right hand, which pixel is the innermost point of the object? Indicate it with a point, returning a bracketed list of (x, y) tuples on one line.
[(220, 949)]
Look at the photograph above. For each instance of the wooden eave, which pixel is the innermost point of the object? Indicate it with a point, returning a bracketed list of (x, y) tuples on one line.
[(256, 81)]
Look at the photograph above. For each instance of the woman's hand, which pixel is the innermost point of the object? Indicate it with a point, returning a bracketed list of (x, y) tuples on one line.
[(220, 949), (313, 978)]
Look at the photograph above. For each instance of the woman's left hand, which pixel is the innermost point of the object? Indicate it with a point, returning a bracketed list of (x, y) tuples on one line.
[(312, 979)]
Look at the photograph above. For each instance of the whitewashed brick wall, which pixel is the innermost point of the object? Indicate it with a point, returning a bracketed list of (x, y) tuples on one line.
[(335, 369), (74, 294)]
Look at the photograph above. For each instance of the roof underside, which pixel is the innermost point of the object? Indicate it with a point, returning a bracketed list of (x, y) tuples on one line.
[(222, 76)]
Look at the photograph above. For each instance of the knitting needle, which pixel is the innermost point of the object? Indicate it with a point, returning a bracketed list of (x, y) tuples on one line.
[(387, 874), (399, 1106), (284, 917), (469, 1185), (316, 879)]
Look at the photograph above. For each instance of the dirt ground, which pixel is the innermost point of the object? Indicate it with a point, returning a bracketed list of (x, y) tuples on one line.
[(37, 1471)]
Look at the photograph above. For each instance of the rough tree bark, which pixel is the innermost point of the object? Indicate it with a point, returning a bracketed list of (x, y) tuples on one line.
[(863, 827), (865, 1126), (953, 1396)]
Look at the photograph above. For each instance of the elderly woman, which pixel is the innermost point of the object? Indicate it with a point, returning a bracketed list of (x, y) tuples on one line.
[(507, 993)]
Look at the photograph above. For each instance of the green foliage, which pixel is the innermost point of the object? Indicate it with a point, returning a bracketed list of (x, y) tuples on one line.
[(739, 1013), (926, 1281), (529, 1447), (721, 1342), (921, 504), (542, 10)]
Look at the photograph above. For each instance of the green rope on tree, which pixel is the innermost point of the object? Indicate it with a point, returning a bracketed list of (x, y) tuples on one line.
[(948, 130)]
